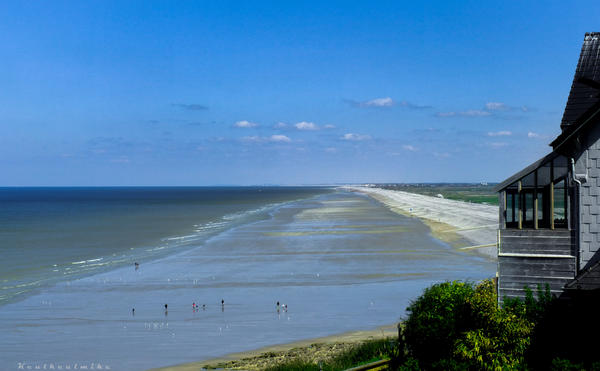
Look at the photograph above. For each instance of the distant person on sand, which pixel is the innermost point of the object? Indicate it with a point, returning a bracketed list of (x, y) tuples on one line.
[(137, 266), (133, 311), (278, 307), (203, 306), (166, 310)]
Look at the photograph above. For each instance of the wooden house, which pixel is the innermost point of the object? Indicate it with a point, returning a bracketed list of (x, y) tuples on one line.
[(549, 225)]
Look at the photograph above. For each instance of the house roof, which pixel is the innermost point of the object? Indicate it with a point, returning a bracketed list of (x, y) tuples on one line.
[(583, 95), (583, 104), (526, 171), (586, 280)]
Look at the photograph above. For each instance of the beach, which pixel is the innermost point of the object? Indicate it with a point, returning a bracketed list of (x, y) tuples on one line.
[(463, 225), (340, 260), (448, 219), (315, 350)]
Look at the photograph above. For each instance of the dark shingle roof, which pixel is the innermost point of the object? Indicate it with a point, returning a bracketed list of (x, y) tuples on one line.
[(582, 96)]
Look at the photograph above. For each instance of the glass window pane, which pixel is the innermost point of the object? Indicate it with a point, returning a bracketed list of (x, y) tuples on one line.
[(528, 207), (560, 205), (561, 167), (540, 207), (509, 208), (544, 175), (528, 181)]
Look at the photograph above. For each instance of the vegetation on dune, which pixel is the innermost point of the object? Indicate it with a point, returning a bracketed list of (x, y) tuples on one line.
[(359, 354), (477, 193)]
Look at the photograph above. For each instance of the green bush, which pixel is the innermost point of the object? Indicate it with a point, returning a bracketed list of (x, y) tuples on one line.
[(436, 319), (500, 338), (456, 326), (530, 308)]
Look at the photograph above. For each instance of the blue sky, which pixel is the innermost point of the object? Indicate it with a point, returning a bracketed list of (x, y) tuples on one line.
[(209, 93)]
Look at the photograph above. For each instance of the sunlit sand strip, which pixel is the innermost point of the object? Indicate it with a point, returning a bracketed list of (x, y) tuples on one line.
[(447, 219), (343, 232)]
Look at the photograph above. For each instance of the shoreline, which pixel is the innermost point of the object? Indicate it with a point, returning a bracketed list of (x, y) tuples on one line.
[(457, 223), (463, 225), (317, 348)]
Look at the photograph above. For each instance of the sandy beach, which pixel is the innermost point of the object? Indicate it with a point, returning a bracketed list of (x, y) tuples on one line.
[(314, 349), (448, 219), (463, 225)]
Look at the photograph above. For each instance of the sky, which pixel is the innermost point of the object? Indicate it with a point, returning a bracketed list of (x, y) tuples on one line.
[(99, 93)]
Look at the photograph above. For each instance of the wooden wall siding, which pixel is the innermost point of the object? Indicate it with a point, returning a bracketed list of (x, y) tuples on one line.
[(532, 257), (540, 241)]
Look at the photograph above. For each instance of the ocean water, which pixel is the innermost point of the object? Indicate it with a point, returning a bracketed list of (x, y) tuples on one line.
[(49, 235), (339, 260)]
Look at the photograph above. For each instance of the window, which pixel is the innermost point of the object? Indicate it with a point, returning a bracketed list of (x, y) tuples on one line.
[(543, 208), (512, 209), (539, 199), (560, 204), (527, 209)]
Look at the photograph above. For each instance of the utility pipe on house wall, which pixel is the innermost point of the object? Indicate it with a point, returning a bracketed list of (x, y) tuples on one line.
[(573, 172), (578, 203)]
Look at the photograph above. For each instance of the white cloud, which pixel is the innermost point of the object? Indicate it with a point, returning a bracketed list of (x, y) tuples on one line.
[(531, 134), (496, 106), (355, 137), (408, 147), (280, 125), (280, 138), (469, 113), (253, 138), (245, 124), (306, 126), (121, 160), (445, 114), (441, 155), (329, 126), (475, 113), (331, 150), (273, 138), (497, 144), (378, 102), (499, 133)]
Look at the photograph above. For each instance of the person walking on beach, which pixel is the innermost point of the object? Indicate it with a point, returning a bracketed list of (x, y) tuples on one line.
[(166, 310), (278, 307)]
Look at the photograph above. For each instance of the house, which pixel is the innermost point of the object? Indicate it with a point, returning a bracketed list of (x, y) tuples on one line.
[(549, 223)]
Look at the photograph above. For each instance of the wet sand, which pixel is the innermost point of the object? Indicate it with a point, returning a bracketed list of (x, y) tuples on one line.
[(460, 224)]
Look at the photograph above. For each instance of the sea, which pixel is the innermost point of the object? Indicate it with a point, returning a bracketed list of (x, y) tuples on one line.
[(132, 278)]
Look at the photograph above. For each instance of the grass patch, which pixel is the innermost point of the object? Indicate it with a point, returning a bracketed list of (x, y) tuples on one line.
[(468, 192), (359, 354)]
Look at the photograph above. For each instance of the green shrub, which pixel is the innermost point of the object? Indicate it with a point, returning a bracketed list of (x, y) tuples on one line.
[(454, 325), (530, 308), (500, 338), (436, 319)]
